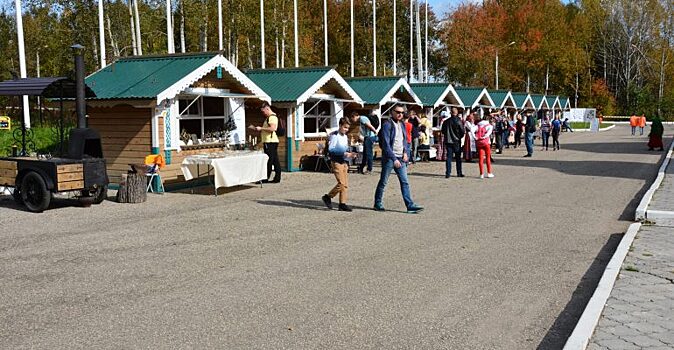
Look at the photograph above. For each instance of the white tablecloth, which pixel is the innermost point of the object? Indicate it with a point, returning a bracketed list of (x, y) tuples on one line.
[(229, 170)]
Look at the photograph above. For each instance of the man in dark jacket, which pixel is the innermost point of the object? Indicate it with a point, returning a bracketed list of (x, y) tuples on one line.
[(395, 150), (453, 132), (529, 130)]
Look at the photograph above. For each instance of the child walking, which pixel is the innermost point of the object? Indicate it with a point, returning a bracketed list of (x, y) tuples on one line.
[(338, 144)]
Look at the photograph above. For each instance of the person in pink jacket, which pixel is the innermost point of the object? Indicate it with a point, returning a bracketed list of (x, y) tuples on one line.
[(482, 135)]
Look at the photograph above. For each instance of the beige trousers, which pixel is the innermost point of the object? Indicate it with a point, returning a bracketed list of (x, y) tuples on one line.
[(341, 174)]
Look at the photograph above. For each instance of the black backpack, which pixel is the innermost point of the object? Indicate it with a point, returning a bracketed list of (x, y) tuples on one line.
[(280, 128)]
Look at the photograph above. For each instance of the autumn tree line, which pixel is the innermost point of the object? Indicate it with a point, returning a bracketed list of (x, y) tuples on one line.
[(614, 55)]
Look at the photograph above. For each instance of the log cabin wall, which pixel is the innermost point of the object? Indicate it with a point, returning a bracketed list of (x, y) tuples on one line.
[(126, 136)]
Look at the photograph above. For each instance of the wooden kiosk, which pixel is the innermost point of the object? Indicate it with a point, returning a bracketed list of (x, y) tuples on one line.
[(143, 104), (309, 99)]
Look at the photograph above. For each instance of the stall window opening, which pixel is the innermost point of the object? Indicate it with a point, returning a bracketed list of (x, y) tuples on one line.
[(318, 117), (204, 117)]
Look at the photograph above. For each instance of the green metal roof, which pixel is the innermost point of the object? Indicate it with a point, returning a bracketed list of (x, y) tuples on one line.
[(429, 93), (551, 101), (286, 84), (144, 76), (520, 98), (499, 96), (469, 95), (372, 89), (538, 100), (564, 101)]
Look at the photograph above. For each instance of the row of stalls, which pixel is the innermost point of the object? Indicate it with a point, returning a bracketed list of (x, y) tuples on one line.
[(184, 104)]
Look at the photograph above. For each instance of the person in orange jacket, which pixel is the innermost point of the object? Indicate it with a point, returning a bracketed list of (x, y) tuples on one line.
[(642, 124), (633, 123)]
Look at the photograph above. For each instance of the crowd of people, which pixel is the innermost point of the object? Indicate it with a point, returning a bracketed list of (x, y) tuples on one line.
[(406, 134)]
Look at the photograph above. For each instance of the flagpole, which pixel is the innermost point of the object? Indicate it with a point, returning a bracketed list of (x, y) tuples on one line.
[(395, 39), (426, 46), (138, 38), (221, 45), (101, 32), (22, 60), (325, 30), (262, 59), (374, 37), (352, 67), (411, 74), (169, 28), (297, 53)]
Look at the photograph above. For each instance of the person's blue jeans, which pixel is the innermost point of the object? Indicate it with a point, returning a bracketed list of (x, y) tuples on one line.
[(368, 154), (529, 142), (453, 152), (386, 167), (545, 135), (504, 139)]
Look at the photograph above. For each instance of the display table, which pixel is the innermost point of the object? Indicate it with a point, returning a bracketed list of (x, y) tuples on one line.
[(230, 168)]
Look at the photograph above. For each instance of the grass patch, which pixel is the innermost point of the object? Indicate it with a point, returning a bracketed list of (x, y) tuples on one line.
[(631, 268), (586, 125), (45, 140), (647, 254)]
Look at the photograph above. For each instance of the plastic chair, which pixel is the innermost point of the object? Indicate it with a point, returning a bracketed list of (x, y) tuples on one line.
[(154, 163)]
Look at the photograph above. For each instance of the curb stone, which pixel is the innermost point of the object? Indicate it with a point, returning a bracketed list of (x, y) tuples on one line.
[(642, 210), (584, 329), (582, 332)]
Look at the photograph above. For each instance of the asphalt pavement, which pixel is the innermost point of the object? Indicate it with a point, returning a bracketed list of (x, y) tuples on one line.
[(502, 263)]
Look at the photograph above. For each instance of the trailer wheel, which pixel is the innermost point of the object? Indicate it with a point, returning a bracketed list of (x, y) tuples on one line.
[(101, 194), (34, 192)]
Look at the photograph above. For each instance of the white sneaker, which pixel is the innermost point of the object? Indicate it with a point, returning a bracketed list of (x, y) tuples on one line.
[(481, 176), (490, 175)]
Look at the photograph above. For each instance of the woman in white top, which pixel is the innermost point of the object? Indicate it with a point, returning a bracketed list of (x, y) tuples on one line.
[(482, 136)]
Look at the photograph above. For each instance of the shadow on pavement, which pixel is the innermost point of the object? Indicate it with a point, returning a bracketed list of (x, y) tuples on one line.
[(56, 203), (566, 321), (314, 205), (629, 170), (613, 147)]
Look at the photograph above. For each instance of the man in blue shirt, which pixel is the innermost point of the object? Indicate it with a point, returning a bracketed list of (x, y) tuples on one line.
[(395, 150), (369, 134)]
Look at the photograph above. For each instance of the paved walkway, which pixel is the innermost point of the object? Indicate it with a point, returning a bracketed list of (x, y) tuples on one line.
[(639, 314)]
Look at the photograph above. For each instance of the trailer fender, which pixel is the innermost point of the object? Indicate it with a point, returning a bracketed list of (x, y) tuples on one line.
[(47, 179)]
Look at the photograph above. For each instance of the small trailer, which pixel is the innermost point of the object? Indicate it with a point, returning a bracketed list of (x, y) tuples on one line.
[(80, 173)]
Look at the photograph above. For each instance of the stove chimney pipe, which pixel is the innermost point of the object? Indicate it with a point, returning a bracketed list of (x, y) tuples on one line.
[(80, 103)]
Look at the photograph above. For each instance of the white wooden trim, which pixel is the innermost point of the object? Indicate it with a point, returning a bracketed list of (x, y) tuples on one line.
[(195, 75), (331, 74), (401, 82)]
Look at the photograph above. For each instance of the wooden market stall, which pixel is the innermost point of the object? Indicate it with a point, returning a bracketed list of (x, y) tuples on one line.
[(381, 94), (310, 100), (565, 103), (503, 99), (435, 98), (475, 97), (174, 105), (540, 104), (553, 102), (523, 102)]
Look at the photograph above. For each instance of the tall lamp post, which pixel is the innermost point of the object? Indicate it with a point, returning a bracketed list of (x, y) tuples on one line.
[(502, 47)]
